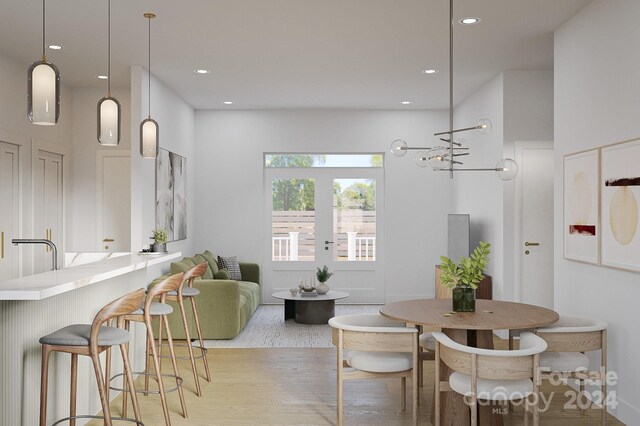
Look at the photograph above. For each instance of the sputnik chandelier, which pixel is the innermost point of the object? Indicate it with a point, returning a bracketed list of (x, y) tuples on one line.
[(444, 157)]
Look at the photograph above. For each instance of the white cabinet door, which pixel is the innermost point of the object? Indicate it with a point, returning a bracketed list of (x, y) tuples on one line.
[(48, 211), (10, 210)]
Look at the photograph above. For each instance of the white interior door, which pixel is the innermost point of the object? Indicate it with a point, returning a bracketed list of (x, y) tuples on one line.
[(10, 217), (48, 208), (534, 223), (343, 228), (113, 195)]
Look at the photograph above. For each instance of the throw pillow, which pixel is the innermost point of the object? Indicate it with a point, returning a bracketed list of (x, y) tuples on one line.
[(232, 267)]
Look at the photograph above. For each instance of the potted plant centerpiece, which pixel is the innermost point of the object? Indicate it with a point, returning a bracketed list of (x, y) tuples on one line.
[(159, 238), (323, 276), (463, 278)]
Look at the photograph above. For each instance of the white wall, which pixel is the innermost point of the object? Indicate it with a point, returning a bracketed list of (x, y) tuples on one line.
[(597, 102), (176, 132), (520, 107), (229, 174), (16, 128), (85, 147)]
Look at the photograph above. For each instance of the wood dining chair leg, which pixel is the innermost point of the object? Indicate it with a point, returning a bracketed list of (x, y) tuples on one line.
[(403, 393), (414, 381), (74, 388), (474, 389), (581, 395), (156, 365), (436, 391), (175, 366), (339, 377), (129, 382), (203, 350), (190, 347), (527, 410), (104, 401)]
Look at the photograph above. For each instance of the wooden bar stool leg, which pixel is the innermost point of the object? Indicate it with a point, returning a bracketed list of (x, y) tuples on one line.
[(190, 347), (175, 366), (74, 388), (202, 348), (146, 364), (104, 401), (124, 349), (160, 340), (125, 384), (156, 362), (44, 383)]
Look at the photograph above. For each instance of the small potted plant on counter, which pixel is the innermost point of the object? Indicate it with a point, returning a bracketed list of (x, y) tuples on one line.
[(159, 238), (463, 278), (323, 276)]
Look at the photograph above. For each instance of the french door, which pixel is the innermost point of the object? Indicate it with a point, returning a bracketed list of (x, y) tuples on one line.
[(325, 216)]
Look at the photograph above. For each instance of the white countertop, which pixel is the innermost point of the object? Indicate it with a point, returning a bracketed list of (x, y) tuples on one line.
[(52, 283)]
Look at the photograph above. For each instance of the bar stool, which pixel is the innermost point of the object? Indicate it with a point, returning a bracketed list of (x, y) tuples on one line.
[(146, 314), (91, 340), (190, 293)]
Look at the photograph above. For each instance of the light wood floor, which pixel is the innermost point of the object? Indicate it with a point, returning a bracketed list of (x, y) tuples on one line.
[(298, 387)]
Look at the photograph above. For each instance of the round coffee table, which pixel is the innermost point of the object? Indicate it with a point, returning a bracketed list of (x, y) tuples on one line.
[(310, 310)]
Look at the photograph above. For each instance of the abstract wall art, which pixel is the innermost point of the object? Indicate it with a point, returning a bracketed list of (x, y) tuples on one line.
[(620, 186), (171, 194), (581, 206)]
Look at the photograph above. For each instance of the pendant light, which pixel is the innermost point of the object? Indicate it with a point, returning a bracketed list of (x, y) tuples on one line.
[(43, 98), (442, 158), (149, 127), (109, 107)]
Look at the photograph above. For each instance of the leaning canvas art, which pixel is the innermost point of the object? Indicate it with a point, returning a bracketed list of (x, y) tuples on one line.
[(620, 186), (171, 194), (581, 200)]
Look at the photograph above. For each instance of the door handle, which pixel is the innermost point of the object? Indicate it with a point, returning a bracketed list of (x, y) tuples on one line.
[(528, 244), (328, 242), (2, 250), (108, 240)]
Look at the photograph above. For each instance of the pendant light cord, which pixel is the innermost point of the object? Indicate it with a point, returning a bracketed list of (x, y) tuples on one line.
[(44, 58), (109, 52), (149, 82), (451, 89)]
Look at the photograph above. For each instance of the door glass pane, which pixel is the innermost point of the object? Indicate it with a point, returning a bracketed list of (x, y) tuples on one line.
[(293, 222), (354, 219), (322, 160)]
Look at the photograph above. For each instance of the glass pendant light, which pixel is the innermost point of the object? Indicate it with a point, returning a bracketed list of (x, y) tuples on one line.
[(43, 97), (109, 107), (149, 127), (507, 169), (399, 148)]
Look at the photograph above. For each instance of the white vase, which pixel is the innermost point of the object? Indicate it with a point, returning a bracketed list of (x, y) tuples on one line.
[(322, 288)]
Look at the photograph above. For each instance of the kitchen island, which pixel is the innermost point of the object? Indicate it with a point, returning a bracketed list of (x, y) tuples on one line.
[(36, 305)]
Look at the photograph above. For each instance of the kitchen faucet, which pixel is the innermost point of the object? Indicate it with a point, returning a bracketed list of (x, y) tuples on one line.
[(54, 250)]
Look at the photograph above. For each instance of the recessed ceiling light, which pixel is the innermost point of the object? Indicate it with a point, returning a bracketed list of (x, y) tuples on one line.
[(430, 71), (102, 77), (406, 102), (201, 71), (228, 102), (55, 47), (469, 21)]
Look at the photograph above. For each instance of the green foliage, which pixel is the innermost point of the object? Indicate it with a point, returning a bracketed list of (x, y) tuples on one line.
[(294, 194), (468, 272), (359, 196), (323, 274), (159, 236), (376, 160)]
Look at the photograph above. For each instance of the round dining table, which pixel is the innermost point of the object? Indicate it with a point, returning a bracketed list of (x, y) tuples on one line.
[(472, 329)]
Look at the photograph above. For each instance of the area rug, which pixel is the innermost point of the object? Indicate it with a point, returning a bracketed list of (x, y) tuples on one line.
[(268, 329)]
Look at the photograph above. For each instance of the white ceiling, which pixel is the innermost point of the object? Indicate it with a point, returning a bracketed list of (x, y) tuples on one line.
[(291, 53)]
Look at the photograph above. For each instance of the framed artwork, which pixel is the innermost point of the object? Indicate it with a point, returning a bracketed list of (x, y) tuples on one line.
[(620, 186), (171, 194), (581, 206)]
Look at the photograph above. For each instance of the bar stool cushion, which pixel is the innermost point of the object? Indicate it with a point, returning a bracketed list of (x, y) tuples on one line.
[(78, 335), (156, 309), (490, 389), (379, 362), (564, 361), (186, 292)]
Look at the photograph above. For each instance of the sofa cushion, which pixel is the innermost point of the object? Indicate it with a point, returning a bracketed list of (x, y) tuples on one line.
[(222, 274), (208, 274), (251, 291), (231, 265), (212, 260), (183, 266)]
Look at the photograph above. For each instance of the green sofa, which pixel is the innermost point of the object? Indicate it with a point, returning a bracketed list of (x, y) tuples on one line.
[(224, 306)]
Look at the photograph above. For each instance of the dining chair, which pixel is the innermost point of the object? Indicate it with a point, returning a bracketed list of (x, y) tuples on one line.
[(488, 374), (378, 348), (567, 341)]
